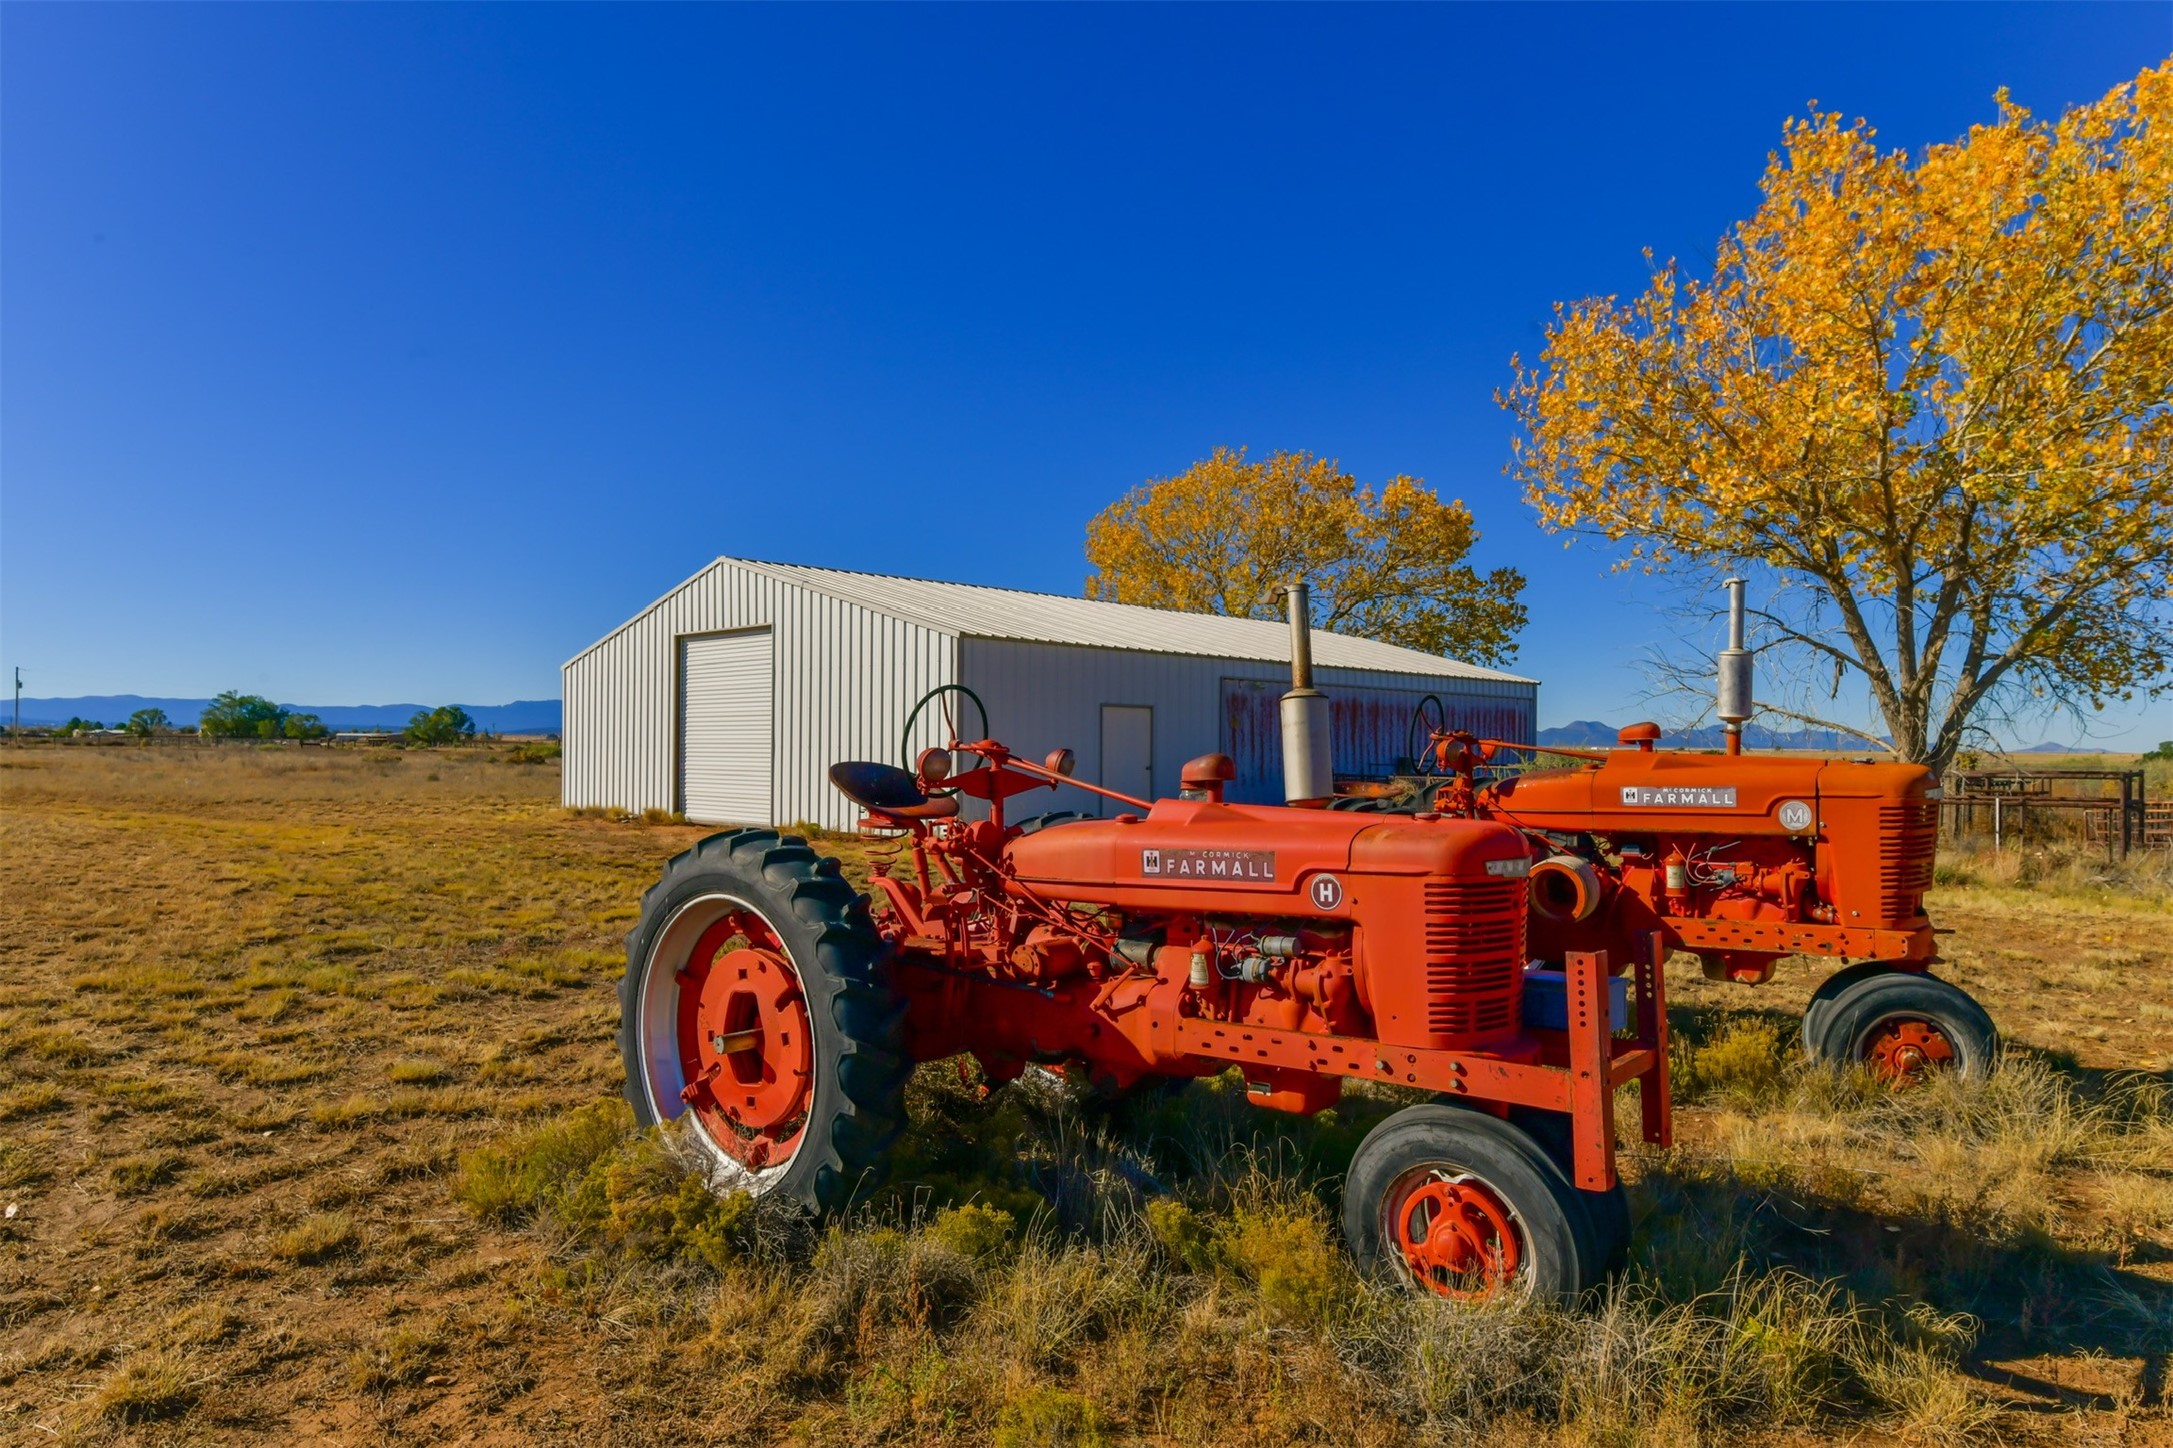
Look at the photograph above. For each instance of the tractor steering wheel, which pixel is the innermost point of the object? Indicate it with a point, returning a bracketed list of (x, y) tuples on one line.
[(1410, 733), (905, 741)]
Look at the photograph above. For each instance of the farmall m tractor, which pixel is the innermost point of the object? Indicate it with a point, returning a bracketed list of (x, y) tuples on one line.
[(774, 1013), (1741, 859)]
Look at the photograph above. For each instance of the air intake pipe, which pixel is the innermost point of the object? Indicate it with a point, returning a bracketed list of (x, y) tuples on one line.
[(1734, 705), (1308, 766)]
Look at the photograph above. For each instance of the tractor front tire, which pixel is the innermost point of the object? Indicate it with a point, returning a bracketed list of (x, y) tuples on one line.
[(1607, 1212), (756, 1009), (1901, 1025), (1829, 990), (1465, 1205)]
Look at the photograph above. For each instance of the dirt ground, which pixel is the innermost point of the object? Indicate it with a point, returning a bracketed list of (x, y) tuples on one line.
[(255, 1004)]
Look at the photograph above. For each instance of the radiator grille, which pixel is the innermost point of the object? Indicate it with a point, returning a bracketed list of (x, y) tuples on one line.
[(1474, 955), (1908, 838)]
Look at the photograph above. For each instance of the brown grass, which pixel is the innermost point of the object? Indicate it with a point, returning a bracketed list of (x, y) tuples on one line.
[(307, 1105)]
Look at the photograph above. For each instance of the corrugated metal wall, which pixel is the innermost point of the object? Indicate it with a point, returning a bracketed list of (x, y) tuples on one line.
[(845, 677), (1042, 696), (1371, 728)]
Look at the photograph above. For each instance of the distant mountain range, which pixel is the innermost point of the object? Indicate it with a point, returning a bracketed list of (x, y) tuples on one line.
[(545, 716), (1591, 734), (522, 716)]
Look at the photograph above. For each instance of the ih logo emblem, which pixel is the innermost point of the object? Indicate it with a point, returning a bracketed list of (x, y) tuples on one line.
[(1327, 891), (1237, 866)]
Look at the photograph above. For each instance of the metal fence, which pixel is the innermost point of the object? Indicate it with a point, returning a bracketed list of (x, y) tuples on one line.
[(2106, 807)]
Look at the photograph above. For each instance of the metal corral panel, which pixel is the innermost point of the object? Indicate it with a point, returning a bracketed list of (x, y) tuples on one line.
[(842, 678), (1044, 696), (724, 728)]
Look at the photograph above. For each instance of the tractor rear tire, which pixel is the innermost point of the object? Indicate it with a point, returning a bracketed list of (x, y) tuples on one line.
[(752, 933), (1901, 1024), (1463, 1204), (1608, 1211)]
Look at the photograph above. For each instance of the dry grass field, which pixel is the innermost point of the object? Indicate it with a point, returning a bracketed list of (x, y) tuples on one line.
[(308, 1132)]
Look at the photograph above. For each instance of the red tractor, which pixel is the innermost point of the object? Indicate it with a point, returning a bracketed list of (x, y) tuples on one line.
[(1742, 860), (776, 1014)]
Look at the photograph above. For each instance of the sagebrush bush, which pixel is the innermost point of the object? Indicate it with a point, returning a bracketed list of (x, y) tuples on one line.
[(1744, 1064), (1047, 1417), (1184, 1234), (1285, 1251), (974, 1230)]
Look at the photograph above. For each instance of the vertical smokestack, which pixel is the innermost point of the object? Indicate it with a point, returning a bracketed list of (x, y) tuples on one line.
[(1735, 673), (1308, 766)]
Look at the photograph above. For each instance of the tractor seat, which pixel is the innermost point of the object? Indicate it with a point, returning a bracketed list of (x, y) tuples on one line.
[(885, 789)]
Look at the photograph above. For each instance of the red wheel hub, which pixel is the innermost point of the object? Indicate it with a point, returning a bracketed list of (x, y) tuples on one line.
[(1457, 1238), (745, 1042), (1902, 1052)]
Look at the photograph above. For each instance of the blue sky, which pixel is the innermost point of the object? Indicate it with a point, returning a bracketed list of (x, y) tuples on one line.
[(397, 352)]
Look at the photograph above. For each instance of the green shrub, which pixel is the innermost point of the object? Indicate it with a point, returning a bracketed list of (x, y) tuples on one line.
[(1182, 1234), (446, 724), (591, 1173), (975, 1231), (1284, 1250), (1046, 1417), (536, 1168), (1743, 1064)]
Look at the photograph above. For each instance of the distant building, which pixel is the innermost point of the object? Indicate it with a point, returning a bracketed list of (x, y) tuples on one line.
[(729, 698)]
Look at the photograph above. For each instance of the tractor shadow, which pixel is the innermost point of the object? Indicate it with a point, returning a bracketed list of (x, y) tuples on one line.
[(1082, 1163), (2032, 1296)]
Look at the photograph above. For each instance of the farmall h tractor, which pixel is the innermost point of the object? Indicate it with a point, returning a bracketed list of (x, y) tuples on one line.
[(1743, 860), (776, 1014)]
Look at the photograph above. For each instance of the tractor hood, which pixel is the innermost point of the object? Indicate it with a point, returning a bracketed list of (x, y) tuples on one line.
[(1671, 791), (1251, 857)]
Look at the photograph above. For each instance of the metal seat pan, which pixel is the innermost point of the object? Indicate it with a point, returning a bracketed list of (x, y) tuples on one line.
[(885, 789)]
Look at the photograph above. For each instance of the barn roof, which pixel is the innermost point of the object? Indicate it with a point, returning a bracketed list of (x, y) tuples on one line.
[(970, 610)]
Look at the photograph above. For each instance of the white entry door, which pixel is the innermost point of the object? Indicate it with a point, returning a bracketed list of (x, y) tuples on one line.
[(1127, 752), (724, 729)]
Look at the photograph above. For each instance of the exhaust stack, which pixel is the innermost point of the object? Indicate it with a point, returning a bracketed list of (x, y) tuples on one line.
[(1735, 707), (1308, 766)]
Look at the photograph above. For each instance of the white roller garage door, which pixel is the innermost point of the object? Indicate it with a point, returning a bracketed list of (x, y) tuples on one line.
[(724, 728)]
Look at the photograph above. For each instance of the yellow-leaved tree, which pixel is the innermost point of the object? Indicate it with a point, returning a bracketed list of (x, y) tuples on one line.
[(1926, 402), (1227, 533)]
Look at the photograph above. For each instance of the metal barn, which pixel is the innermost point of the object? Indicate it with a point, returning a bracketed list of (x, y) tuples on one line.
[(729, 698)]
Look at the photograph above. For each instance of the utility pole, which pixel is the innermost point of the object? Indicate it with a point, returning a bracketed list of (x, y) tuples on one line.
[(18, 703)]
